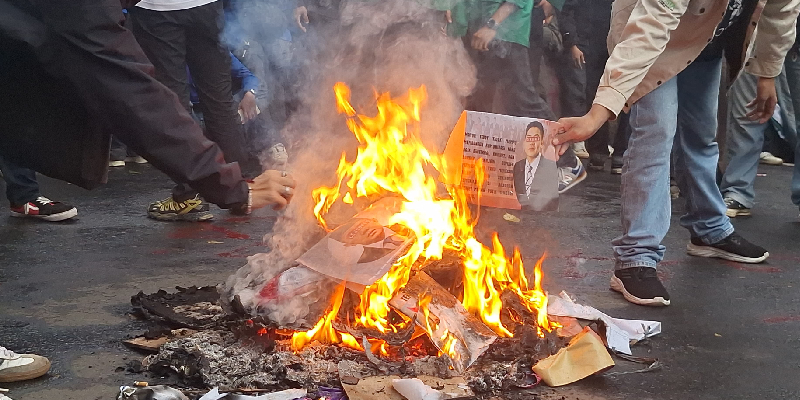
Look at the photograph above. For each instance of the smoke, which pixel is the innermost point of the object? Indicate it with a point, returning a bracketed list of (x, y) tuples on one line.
[(380, 46)]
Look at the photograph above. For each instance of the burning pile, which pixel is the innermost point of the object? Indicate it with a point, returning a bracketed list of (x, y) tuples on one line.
[(392, 161)]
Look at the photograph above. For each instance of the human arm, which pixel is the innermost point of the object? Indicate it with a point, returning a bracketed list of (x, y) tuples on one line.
[(485, 35), (774, 38), (247, 106)]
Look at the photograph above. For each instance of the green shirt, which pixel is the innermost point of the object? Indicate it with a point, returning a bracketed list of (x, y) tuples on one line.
[(470, 15)]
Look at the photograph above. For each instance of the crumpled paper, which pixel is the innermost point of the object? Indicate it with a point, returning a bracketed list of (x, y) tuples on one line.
[(619, 332), (585, 355)]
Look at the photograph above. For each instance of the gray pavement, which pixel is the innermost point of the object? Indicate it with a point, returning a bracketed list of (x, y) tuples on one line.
[(730, 333)]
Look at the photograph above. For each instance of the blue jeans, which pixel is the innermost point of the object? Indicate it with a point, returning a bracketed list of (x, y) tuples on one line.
[(792, 68), (683, 110), (746, 137), (21, 184)]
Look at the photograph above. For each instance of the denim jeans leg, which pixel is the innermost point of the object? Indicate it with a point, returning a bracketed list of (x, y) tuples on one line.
[(21, 184), (646, 204), (792, 68), (697, 152), (744, 142)]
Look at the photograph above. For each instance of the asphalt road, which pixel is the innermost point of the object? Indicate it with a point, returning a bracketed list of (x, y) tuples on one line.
[(730, 333)]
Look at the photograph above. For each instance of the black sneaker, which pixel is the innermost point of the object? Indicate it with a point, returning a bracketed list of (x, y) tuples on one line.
[(640, 285), (735, 209), (733, 248), (194, 209), (616, 165), (44, 208)]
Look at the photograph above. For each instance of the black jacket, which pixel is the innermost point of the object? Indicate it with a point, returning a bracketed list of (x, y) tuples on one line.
[(585, 23), (72, 75)]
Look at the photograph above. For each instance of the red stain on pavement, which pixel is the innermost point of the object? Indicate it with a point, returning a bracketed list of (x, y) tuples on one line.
[(780, 319), (205, 231)]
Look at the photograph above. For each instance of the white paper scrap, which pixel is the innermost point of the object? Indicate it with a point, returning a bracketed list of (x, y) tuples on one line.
[(415, 389), (288, 394), (619, 332), (214, 394)]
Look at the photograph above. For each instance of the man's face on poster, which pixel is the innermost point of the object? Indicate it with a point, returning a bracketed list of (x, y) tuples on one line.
[(533, 142), (364, 231)]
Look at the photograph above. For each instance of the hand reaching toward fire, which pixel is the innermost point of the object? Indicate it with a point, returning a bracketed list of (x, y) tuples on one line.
[(578, 129), (301, 17), (272, 187)]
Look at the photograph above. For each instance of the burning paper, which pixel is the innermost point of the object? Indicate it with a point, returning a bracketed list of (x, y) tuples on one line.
[(451, 328), (363, 249), (619, 332)]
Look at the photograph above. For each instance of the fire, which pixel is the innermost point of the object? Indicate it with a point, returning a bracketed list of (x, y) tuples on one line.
[(393, 161)]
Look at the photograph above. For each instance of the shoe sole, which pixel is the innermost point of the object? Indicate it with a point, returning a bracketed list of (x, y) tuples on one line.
[(771, 162), (713, 252), (617, 286), (616, 171), (577, 180), (27, 375), (71, 213), (116, 163), (191, 217), (732, 213)]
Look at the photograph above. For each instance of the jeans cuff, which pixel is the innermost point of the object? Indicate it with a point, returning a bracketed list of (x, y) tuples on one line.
[(711, 239), (634, 264)]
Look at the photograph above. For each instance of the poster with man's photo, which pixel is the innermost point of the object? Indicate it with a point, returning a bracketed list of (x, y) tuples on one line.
[(363, 249), (519, 161)]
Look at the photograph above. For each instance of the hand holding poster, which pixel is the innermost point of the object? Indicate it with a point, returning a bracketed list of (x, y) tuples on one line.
[(518, 157)]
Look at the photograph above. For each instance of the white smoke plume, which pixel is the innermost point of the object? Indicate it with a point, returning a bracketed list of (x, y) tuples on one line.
[(379, 46)]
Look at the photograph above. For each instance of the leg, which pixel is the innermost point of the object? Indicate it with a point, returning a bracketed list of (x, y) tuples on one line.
[(744, 143), (792, 67), (597, 145), (645, 179), (697, 152), (210, 64), (163, 40), (21, 184)]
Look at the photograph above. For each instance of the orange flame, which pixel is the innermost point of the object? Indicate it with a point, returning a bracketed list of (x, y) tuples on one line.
[(392, 160)]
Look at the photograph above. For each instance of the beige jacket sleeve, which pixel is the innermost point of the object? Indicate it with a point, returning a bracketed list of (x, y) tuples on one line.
[(775, 35), (644, 38)]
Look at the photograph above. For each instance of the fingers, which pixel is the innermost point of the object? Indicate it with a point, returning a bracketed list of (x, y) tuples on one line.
[(448, 16), (562, 148)]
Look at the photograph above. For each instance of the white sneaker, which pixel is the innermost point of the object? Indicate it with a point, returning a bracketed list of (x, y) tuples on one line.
[(114, 163), (4, 397), (21, 367), (767, 158), (580, 150)]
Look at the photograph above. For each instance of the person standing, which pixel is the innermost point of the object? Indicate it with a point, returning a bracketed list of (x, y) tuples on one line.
[(175, 34), (746, 137), (657, 71)]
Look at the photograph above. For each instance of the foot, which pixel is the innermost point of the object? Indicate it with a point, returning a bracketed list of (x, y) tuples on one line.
[(767, 158), (136, 159), (640, 285), (568, 177), (45, 209), (616, 165), (580, 150), (597, 163), (194, 210), (735, 209), (733, 248), (116, 163), (4, 397), (21, 367)]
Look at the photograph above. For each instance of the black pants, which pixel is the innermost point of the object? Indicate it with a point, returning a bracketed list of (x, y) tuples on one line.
[(174, 39), (506, 71), (596, 56)]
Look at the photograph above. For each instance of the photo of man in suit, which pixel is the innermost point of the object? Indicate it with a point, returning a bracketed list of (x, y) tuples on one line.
[(535, 176)]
